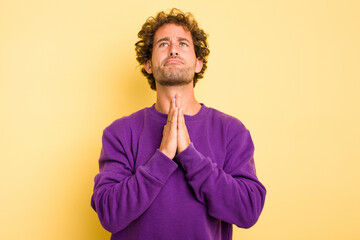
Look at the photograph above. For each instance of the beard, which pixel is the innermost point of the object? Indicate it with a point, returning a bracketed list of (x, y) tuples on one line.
[(174, 76)]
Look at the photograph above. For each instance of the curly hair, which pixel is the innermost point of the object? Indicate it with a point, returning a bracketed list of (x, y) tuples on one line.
[(144, 46)]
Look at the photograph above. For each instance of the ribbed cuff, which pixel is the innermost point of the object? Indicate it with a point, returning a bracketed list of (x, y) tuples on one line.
[(190, 159), (160, 166)]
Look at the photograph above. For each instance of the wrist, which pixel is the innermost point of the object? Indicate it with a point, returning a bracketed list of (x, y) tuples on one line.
[(166, 153), (183, 147)]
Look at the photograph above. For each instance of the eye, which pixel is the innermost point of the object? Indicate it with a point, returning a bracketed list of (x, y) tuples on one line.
[(183, 44), (163, 44)]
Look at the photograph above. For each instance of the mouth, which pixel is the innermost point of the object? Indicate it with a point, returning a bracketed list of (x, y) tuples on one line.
[(173, 61)]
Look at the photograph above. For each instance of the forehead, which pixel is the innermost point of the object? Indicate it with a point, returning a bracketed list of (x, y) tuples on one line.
[(172, 31)]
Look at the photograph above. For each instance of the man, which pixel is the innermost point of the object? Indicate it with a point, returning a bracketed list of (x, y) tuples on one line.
[(178, 169)]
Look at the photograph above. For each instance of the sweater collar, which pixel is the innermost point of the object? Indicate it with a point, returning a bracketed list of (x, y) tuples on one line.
[(163, 117)]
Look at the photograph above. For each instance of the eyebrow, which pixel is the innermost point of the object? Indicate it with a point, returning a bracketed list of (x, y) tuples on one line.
[(181, 39), (162, 40)]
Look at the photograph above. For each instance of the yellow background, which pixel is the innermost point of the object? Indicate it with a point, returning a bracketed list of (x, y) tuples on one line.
[(290, 70)]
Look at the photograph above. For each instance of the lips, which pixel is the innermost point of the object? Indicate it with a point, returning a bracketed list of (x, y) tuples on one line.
[(171, 61)]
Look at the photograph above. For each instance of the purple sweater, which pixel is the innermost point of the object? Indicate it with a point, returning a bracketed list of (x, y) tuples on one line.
[(142, 194)]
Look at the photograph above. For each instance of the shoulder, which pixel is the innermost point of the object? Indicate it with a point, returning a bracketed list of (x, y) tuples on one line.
[(231, 123), (127, 123), (238, 137)]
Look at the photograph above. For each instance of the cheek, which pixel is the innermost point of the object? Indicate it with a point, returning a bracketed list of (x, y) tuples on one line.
[(158, 56)]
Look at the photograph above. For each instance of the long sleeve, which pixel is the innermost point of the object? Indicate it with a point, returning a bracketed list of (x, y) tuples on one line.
[(122, 193), (231, 192)]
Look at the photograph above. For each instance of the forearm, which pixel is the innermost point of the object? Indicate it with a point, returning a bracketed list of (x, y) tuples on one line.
[(116, 197), (236, 199)]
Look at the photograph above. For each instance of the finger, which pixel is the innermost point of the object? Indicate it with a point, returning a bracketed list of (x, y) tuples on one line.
[(178, 100), (171, 109), (181, 118), (173, 121), (183, 135), (181, 121)]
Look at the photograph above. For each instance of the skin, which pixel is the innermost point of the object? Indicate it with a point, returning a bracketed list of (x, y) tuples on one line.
[(173, 64)]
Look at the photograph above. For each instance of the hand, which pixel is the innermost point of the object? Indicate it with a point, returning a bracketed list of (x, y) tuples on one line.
[(169, 140), (183, 139)]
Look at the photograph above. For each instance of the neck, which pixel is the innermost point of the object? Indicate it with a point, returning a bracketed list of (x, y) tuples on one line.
[(189, 104)]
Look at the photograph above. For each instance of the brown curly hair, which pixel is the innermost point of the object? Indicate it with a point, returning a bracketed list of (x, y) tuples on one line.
[(144, 46)]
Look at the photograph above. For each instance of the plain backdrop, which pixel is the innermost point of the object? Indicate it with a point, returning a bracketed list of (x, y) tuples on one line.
[(289, 70)]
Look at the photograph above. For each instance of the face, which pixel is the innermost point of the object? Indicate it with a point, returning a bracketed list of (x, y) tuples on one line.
[(173, 61)]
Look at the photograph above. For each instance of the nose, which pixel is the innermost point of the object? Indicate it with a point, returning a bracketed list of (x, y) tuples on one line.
[(173, 51)]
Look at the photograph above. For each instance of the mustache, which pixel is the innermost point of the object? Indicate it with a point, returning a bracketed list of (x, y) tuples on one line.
[(172, 58)]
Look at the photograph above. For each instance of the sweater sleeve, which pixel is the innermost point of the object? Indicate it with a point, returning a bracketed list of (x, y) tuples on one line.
[(232, 192), (121, 194)]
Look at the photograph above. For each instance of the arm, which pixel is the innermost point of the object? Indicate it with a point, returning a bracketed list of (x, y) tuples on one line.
[(232, 193), (121, 193)]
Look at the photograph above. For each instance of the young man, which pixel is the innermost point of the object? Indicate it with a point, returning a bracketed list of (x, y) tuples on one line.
[(178, 169)]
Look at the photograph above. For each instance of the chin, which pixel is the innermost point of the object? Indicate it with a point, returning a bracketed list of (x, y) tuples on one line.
[(174, 82)]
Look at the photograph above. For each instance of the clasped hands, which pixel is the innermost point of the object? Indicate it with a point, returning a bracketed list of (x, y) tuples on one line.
[(175, 137)]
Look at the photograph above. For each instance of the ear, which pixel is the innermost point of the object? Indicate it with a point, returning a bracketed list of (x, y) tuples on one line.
[(147, 67), (199, 65)]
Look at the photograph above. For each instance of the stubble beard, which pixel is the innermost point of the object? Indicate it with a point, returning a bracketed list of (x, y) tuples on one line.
[(174, 77)]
